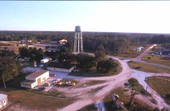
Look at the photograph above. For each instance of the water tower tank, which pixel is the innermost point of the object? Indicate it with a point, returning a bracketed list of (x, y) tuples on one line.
[(77, 29)]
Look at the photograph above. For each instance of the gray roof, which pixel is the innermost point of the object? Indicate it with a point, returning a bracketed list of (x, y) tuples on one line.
[(28, 81), (3, 96), (37, 73)]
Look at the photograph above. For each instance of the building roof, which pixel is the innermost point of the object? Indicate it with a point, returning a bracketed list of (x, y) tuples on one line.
[(36, 74), (28, 81), (60, 65), (3, 96)]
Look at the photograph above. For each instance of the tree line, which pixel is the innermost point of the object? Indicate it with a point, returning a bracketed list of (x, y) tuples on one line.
[(114, 43)]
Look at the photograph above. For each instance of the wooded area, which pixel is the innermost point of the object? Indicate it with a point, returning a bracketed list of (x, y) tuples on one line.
[(114, 43)]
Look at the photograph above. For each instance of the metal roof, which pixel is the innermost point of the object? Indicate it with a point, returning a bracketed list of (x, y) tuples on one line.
[(3, 96), (36, 74)]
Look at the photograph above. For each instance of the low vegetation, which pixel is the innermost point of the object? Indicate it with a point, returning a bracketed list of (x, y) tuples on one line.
[(157, 59), (35, 101), (134, 85), (147, 68), (160, 85), (138, 105), (132, 53)]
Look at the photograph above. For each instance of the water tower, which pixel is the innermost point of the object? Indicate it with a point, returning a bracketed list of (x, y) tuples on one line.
[(78, 40)]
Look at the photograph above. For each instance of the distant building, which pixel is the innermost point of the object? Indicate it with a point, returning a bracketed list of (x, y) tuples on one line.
[(60, 67), (35, 79), (3, 100), (45, 60), (139, 49), (63, 41)]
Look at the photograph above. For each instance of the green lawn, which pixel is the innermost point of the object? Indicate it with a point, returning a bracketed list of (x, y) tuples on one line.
[(160, 85), (36, 101), (147, 68), (157, 59)]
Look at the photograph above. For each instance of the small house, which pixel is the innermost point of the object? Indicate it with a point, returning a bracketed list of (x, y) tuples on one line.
[(139, 49), (35, 79), (3, 100)]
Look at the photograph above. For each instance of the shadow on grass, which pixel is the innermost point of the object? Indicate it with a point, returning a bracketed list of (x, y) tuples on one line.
[(90, 107), (165, 58), (137, 67)]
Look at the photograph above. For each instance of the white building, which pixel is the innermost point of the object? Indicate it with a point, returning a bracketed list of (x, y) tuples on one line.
[(3, 100), (45, 60), (139, 49), (63, 41), (35, 79)]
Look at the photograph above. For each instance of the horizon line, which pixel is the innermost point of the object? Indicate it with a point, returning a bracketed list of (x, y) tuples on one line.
[(84, 31)]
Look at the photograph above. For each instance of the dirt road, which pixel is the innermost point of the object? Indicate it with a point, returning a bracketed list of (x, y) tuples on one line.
[(112, 82)]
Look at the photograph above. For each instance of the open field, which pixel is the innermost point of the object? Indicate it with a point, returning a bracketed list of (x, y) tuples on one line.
[(147, 68), (157, 60), (33, 101), (132, 53), (162, 86)]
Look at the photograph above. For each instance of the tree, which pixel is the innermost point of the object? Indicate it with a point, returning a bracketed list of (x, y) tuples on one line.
[(7, 53), (106, 65), (85, 61), (68, 58), (24, 52), (133, 82), (9, 68), (64, 50), (100, 53)]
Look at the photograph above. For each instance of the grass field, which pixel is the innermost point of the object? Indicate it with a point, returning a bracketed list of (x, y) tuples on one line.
[(147, 68), (132, 53), (157, 59), (36, 101), (161, 86)]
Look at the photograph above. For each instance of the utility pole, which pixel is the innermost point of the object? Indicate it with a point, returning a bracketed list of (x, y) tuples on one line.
[(3, 81)]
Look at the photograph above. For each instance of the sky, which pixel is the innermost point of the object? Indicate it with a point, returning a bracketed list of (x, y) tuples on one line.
[(99, 16)]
